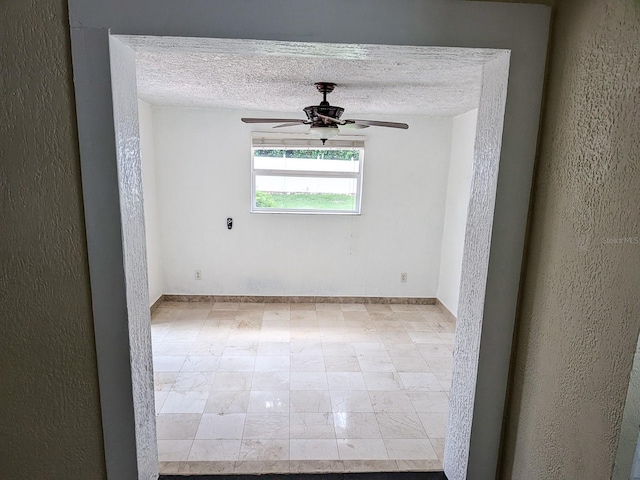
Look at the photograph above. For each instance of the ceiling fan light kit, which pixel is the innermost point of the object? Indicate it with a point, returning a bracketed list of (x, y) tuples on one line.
[(324, 132), (324, 119)]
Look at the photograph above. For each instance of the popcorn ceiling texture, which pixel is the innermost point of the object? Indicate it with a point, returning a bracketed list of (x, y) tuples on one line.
[(125, 111), (279, 76), (580, 311), (475, 262), (50, 423)]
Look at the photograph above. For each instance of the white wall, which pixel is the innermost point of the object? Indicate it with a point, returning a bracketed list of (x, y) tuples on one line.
[(203, 173), (455, 218), (151, 216)]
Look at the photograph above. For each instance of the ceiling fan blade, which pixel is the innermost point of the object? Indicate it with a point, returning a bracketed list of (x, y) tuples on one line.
[(330, 119), (292, 124), (375, 123), (271, 120)]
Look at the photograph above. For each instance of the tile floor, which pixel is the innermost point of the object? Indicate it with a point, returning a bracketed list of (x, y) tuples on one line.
[(278, 387)]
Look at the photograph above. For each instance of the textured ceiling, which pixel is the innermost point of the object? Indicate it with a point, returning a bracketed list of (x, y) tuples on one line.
[(279, 76)]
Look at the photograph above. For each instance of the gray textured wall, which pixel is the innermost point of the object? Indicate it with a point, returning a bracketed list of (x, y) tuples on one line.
[(49, 407), (580, 311)]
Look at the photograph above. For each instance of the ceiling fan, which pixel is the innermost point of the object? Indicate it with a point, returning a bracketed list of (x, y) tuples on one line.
[(324, 119)]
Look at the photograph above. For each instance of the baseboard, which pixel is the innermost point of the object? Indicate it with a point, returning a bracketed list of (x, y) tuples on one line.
[(445, 310), (297, 299), (156, 304)]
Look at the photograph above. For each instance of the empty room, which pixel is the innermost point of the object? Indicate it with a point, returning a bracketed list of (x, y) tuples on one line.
[(304, 279)]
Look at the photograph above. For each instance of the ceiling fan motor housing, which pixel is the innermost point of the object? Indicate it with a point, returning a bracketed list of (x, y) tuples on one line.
[(326, 110)]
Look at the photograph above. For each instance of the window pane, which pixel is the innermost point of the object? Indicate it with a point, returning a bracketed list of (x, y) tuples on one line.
[(298, 159), (306, 193)]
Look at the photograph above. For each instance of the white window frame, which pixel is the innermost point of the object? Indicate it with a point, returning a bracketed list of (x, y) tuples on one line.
[(296, 141)]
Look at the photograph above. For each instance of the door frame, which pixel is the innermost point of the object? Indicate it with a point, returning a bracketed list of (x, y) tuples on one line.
[(480, 367)]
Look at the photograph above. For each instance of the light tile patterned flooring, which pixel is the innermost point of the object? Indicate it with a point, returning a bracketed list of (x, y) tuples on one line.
[(255, 388)]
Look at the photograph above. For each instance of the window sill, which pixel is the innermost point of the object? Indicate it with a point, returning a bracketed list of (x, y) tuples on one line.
[(304, 212)]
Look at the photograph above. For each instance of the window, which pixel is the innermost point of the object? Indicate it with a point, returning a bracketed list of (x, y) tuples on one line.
[(300, 175)]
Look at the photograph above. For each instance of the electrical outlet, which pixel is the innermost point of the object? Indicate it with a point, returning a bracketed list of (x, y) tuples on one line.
[(198, 274), (403, 277)]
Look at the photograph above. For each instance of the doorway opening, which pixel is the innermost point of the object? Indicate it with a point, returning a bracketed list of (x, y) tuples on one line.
[(334, 364)]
